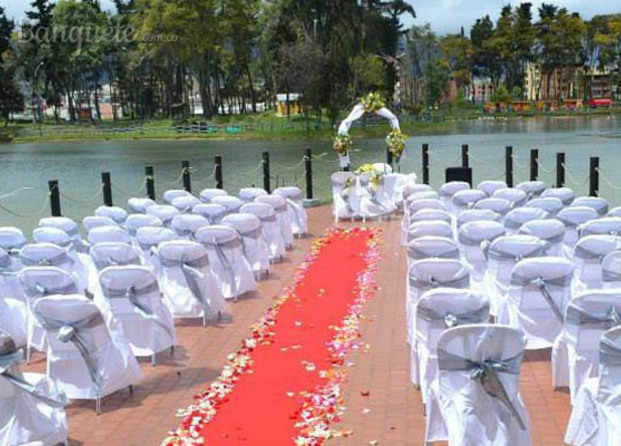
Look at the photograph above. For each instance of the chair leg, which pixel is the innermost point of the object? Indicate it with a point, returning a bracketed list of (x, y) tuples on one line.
[(131, 389), (205, 319), (172, 350), (154, 359), (28, 353), (98, 405)]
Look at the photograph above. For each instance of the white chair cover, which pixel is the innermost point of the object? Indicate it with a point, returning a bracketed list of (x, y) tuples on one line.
[(280, 207), (382, 168), (429, 227), (491, 186), (103, 234), (532, 188), (214, 213), (499, 205), (164, 212), (598, 204), (604, 225), (227, 260), (516, 197), (186, 225), (232, 204), (615, 212), (65, 224), (447, 190), (13, 308), (437, 310), (611, 270), (10, 264), (413, 188), (255, 248), (431, 247), (430, 214), (248, 194), (503, 253), (134, 299), (86, 359), (33, 410), (11, 239), (207, 194), (96, 221), (272, 234), (539, 292), (38, 282), (517, 217), (551, 205), (412, 206), (113, 254), (551, 231), (393, 187), (471, 215), (373, 200), (573, 217), (476, 400), (474, 238), (588, 255), (139, 205), (596, 413), (575, 352), (565, 194), (47, 254), (184, 204), (465, 199), (188, 285), (136, 221), (170, 195), (295, 209), (148, 238), (116, 213)]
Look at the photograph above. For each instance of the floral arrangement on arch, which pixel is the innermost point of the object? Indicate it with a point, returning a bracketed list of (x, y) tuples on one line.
[(395, 141)]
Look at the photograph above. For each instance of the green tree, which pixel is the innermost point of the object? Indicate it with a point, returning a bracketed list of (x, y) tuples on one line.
[(11, 99)]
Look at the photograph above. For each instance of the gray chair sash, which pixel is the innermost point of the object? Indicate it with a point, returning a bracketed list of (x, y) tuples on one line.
[(39, 290), (294, 206), (469, 241), (543, 285), (611, 276), (184, 232), (451, 319), (609, 353), (586, 254), (419, 254), (513, 224), (218, 247), (132, 294), (486, 373), (254, 234), (9, 360), (459, 282), (578, 316), (192, 275), (567, 223), (502, 256), (215, 218), (100, 264), (6, 266), (344, 193), (269, 218), (73, 332), (59, 259)]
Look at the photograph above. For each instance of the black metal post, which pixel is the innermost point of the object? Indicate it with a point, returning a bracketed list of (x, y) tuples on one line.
[(389, 157), (465, 156), (308, 167), (594, 176), (266, 172), (185, 170), (107, 188), (218, 162), (54, 198), (425, 163), (509, 166), (560, 169), (534, 164), (148, 172)]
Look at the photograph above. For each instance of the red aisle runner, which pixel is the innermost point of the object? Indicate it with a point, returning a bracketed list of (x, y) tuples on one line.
[(283, 386)]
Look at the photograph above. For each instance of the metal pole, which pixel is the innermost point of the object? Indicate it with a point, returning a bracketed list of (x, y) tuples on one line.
[(54, 198), (465, 156), (148, 172), (509, 166), (425, 163), (185, 169), (218, 162), (266, 172), (107, 188), (308, 167), (594, 176), (534, 164), (560, 169)]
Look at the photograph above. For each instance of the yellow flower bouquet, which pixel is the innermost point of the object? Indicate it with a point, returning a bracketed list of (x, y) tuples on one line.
[(342, 144), (395, 141), (372, 102)]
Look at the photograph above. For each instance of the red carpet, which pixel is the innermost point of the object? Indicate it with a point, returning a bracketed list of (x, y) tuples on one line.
[(283, 386)]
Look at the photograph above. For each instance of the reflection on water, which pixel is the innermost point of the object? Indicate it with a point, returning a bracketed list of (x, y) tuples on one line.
[(77, 165)]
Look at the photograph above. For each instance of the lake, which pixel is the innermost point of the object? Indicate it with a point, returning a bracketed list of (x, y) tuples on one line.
[(26, 168)]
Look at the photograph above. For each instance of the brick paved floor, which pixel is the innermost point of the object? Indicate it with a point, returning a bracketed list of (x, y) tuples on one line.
[(391, 414)]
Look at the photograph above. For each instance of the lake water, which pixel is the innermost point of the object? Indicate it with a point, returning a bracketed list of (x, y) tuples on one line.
[(26, 168)]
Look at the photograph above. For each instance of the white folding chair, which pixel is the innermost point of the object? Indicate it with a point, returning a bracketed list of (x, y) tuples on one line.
[(491, 186), (382, 168), (437, 310), (432, 247), (598, 204), (148, 238), (575, 353), (107, 254), (33, 409), (272, 234), (227, 260), (604, 225), (565, 194), (136, 221), (184, 204), (413, 188), (588, 255), (188, 285), (139, 205), (596, 413), (295, 208), (465, 199), (499, 205), (255, 248), (170, 195), (186, 225), (516, 197), (103, 234), (476, 398), (116, 213), (551, 231), (551, 205), (207, 194), (164, 212), (97, 221), (537, 297), (611, 270), (13, 308), (393, 185), (517, 217), (280, 207), (47, 254), (532, 188), (447, 190), (344, 195), (11, 239), (67, 225), (615, 212), (372, 199), (232, 204), (412, 206), (429, 227), (134, 300), (474, 238), (214, 213), (85, 358), (430, 214), (471, 215), (573, 217), (248, 194)]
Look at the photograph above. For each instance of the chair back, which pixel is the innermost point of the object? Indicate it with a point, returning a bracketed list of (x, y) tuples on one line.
[(116, 213)]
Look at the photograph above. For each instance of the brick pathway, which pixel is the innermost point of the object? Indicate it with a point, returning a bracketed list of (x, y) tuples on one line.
[(391, 414)]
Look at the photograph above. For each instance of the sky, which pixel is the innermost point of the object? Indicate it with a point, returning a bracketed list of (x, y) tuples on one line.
[(445, 16)]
